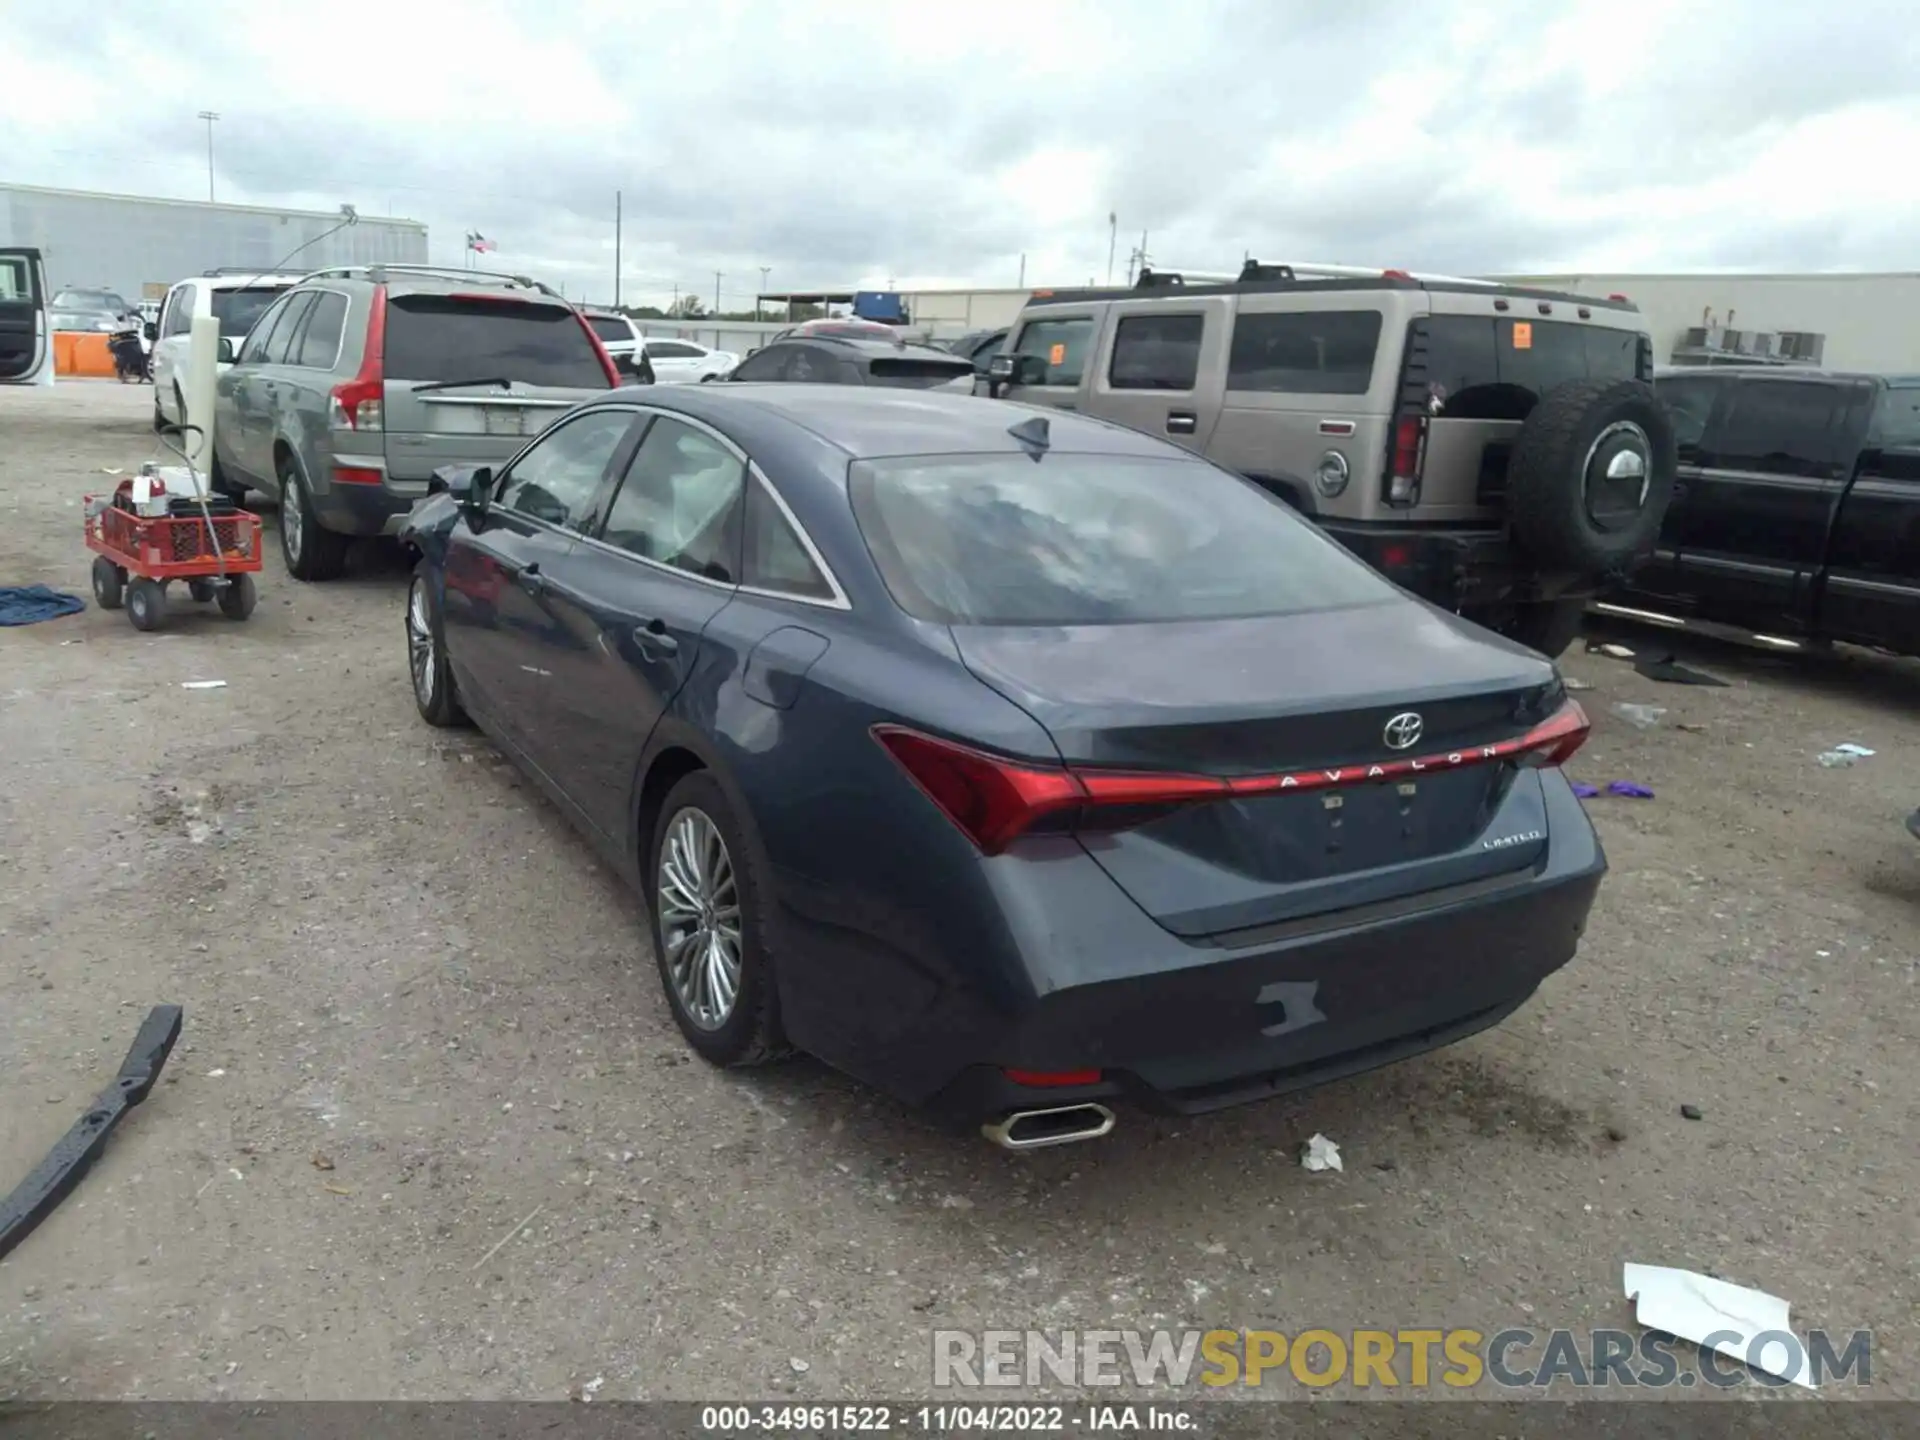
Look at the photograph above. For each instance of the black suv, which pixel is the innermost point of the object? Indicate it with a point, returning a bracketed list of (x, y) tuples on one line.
[(1797, 505)]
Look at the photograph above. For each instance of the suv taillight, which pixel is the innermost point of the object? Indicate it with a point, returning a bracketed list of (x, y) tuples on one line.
[(359, 403), (1408, 457)]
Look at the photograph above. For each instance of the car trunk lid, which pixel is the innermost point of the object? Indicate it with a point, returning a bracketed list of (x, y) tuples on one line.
[(1329, 759), (541, 349)]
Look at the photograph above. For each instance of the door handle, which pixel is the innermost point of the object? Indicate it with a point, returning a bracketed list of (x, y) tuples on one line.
[(654, 641), (530, 579), (1182, 422)]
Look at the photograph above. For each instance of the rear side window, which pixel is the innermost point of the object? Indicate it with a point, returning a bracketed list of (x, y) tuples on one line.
[(1689, 400), (320, 341), (1092, 540), (281, 345), (917, 374), (767, 365), (1156, 352), (1493, 368), (680, 503), (1062, 344), (455, 337), (608, 328), (1782, 427), (1315, 352), (1896, 417), (180, 311), (238, 311), (775, 559)]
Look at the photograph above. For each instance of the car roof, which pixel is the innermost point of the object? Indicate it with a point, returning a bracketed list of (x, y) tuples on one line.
[(1762, 370), (875, 349), (865, 423)]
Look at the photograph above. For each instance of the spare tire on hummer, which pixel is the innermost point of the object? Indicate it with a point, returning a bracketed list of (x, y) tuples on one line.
[(1590, 477)]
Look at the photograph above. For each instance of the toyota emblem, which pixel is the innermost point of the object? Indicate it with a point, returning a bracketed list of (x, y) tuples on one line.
[(1403, 731)]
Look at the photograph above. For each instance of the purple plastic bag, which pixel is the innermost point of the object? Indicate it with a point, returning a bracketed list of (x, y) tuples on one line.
[(1584, 790), (1630, 790)]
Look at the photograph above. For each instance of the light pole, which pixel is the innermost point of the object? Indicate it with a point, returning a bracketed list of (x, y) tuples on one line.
[(210, 116), (765, 270), (716, 292)]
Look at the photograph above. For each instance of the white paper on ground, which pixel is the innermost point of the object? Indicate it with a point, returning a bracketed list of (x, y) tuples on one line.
[(1320, 1153), (1695, 1306), (203, 684)]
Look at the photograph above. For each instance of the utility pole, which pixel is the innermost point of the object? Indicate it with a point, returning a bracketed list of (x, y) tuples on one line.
[(717, 277), (1113, 238), (616, 249), (1021, 284), (210, 116), (765, 270)]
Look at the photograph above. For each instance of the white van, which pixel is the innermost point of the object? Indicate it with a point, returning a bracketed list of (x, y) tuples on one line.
[(26, 340), (237, 296)]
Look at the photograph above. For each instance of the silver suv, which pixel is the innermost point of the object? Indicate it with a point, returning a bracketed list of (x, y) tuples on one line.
[(1497, 451), (360, 382)]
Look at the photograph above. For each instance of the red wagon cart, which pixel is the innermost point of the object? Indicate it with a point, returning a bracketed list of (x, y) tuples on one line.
[(213, 545)]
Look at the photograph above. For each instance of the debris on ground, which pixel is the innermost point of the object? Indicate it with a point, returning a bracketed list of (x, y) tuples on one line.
[(1607, 647), (1573, 684), (1628, 790), (1641, 717), (203, 684), (1669, 671), (30, 604), (799, 1366), (1698, 1308), (322, 1162), (1843, 755), (1691, 1112), (1320, 1153)]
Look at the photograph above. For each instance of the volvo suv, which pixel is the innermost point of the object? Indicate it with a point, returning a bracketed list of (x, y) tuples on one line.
[(1497, 451), (359, 382)]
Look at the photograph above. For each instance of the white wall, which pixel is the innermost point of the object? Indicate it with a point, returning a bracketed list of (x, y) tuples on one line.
[(1872, 322), (949, 313)]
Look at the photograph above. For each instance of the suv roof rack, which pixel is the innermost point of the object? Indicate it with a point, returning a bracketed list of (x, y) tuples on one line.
[(219, 271), (1254, 274), (379, 272)]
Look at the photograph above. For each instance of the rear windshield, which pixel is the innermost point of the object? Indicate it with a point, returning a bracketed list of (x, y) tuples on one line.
[(917, 374), (452, 337), (89, 300), (608, 328), (1490, 368), (1092, 540), (237, 310)]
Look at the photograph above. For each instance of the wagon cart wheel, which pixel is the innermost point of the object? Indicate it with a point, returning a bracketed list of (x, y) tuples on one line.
[(109, 583), (202, 590), (237, 597), (146, 604)]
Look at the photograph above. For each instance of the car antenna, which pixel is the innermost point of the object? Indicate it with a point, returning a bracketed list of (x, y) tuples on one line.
[(1032, 433)]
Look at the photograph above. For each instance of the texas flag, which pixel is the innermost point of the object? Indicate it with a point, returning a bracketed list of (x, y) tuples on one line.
[(478, 242)]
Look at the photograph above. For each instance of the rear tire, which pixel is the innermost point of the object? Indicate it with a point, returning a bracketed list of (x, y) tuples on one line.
[(238, 597), (689, 911), (146, 604), (311, 553), (109, 583)]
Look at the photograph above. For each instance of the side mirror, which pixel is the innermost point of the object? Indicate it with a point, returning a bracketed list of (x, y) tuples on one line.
[(227, 353), (150, 330), (470, 486)]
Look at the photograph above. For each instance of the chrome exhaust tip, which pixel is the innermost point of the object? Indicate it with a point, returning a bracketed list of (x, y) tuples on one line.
[(1058, 1125)]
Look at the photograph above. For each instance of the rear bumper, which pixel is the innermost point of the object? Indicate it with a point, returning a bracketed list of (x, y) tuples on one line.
[(1455, 569), (364, 509), (1189, 1027)]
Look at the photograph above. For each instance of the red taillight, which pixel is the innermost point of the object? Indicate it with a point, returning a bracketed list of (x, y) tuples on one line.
[(360, 403), (1045, 1079), (990, 799), (1553, 741), (1409, 456), (606, 360), (1396, 274), (356, 475)]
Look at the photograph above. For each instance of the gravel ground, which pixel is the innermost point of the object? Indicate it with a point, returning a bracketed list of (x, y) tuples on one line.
[(431, 1132)]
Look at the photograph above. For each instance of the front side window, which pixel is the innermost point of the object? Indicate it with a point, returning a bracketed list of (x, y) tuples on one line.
[(1313, 352), (556, 480), (766, 365), (1896, 417), (680, 503), (255, 350), (1781, 427), (1061, 346), (1156, 352), (1091, 540), (286, 330), (180, 311)]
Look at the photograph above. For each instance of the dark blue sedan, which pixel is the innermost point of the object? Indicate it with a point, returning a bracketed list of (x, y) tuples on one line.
[(1011, 761)]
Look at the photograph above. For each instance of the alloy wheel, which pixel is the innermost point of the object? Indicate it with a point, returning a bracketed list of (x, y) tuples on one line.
[(698, 903), (420, 649)]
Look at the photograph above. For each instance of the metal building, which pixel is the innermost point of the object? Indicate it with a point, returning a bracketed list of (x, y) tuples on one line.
[(1844, 321), (137, 246)]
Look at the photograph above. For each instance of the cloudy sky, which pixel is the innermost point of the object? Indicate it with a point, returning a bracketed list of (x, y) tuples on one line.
[(934, 143)]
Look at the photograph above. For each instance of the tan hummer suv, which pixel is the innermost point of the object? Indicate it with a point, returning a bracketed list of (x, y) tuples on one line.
[(1497, 451)]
